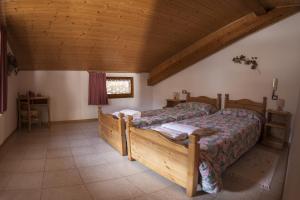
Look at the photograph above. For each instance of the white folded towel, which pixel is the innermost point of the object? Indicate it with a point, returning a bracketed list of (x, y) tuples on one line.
[(188, 129), (127, 112), (170, 133)]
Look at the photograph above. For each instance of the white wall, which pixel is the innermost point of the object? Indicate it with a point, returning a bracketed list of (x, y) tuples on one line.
[(8, 121), (68, 92), (291, 189), (277, 48)]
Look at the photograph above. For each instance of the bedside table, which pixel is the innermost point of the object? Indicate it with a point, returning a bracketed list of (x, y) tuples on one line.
[(173, 102), (277, 129)]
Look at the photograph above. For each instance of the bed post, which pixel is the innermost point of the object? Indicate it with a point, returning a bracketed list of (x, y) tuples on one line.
[(226, 100), (99, 123), (265, 99), (99, 112), (193, 164), (122, 133), (129, 124), (219, 101)]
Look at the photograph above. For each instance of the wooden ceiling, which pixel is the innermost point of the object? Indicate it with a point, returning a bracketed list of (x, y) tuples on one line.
[(123, 36)]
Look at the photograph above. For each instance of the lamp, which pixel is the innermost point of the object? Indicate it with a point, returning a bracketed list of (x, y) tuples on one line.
[(275, 86)]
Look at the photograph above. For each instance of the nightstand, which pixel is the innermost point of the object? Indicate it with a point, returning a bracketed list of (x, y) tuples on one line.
[(277, 129), (173, 102)]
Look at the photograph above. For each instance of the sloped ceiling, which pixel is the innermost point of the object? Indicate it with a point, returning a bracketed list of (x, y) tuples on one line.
[(111, 35)]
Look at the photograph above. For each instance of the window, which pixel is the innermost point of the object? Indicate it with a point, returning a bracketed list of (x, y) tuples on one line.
[(119, 87)]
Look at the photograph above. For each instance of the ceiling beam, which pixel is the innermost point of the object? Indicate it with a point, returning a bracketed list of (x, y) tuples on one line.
[(216, 41)]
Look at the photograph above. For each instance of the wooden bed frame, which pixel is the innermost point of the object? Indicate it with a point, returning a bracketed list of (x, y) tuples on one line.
[(176, 162), (112, 129)]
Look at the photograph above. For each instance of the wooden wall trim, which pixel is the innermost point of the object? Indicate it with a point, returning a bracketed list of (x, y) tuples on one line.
[(216, 41)]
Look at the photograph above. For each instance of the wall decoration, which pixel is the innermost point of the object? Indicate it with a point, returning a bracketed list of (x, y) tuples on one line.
[(247, 61)]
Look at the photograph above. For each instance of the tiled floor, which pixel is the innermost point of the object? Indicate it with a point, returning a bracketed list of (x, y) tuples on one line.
[(72, 162)]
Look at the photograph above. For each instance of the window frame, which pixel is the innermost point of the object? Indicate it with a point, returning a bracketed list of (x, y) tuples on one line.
[(128, 95)]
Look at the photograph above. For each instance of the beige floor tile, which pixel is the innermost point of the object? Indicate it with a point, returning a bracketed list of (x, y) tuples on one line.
[(170, 193), (253, 193), (25, 181), (32, 165), (36, 146), (77, 136), (66, 193), (91, 126), (269, 196), (32, 140), (174, 192), (98, 173), (103, 148), (57, 134), (100, 166), (127, 168), (59, 163), (35, 154), (66, 128), (89, 160), (57, 139), (93, 133), (79, 142), (59, 153), (204, 196), (144, 197), (95, 140), (78, 151), (61, 178), (9, 165), (229, 195), (276, 189), (114, 156), (61, 144), (4, 178), (113, 190), (149, 181), (14, 155), (20, 195)]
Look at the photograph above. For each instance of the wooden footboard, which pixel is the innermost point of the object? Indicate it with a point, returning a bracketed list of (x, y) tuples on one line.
[(112, 130), (176, 162)]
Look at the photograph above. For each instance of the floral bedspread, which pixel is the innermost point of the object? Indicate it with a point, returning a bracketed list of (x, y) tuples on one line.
[(179, 112), (149, 113), (236, 132)]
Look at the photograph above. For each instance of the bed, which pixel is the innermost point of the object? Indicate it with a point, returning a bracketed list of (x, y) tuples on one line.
[(113, 129), (188, 163)]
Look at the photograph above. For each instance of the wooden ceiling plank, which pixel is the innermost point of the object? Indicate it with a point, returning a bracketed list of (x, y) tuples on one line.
[(125, 34), (256, 6), (216, 41)]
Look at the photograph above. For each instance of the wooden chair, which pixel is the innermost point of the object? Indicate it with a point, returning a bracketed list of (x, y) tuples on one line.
[(27, 114)]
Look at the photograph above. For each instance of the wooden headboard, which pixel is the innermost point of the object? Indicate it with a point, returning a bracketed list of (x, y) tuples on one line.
[(247, 104), (203, 99)]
